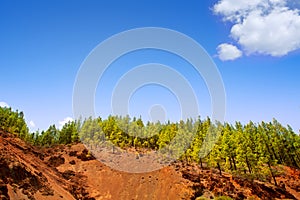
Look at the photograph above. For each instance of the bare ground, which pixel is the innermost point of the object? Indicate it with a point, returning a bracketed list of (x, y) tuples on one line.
[(70, 172)]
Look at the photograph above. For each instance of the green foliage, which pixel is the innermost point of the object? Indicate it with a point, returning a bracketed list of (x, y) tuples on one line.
[(68, 133), (14, 122)]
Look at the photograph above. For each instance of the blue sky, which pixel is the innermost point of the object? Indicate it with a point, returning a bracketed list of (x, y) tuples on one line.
[(43, 44)]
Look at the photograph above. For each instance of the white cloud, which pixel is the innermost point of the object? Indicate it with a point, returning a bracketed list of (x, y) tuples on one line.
[(228, 52), (267, 27), (233, 10), (4, 104), (32, 124), (276, 34), (65, 120)]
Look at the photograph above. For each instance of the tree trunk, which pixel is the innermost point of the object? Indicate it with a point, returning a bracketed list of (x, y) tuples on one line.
[(201, 163), (234, 164), (273, 176), (219, 167)]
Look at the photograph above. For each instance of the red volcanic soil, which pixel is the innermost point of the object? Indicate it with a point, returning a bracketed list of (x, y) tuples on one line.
[(70, 172)]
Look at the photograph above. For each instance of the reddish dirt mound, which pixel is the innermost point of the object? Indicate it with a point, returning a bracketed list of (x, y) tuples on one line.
[(71, 172), (106, 183), (29, 173)]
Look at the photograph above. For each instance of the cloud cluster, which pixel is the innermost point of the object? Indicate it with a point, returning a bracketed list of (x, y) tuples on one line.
[(267, 27), (228, 52), (64, 121), (3, 104)]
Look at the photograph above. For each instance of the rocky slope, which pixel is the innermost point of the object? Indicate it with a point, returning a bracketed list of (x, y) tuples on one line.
[(69, 172)]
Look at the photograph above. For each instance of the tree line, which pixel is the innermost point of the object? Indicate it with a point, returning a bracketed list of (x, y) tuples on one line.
[(251, 150)]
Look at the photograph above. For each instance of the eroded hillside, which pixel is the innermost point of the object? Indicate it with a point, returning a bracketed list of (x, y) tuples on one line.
[(70, 172)]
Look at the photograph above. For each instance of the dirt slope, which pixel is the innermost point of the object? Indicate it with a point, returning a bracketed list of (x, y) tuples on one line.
[(68, 172)]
